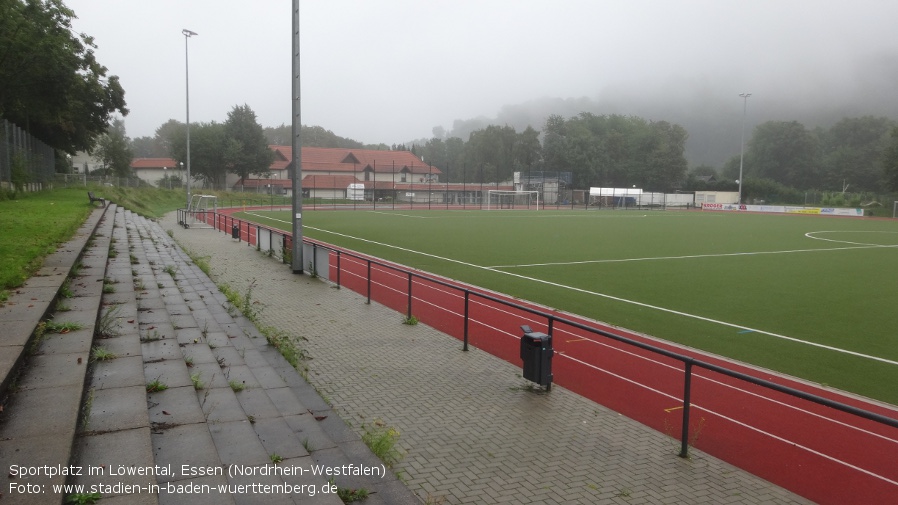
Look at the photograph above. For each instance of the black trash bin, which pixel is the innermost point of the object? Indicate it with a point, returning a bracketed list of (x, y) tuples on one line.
[(537, 352), (235, 231)]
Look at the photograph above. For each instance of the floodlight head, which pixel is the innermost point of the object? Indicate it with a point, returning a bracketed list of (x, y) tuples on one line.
[(188, 33), (745, 95)]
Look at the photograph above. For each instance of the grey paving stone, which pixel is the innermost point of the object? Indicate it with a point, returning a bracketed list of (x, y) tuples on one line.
[(309, 432), (174, 406), (237, 443), (188, 444), (211, 375), (278, 438), (122, 346), (48, 371), (117, 408), (162, 349), (120, 372), (171, 372), (286, 401), (220, 404), (42, 411), (78, 341), (108, 454)]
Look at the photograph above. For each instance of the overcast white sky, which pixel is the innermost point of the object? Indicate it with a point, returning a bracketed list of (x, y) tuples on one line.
[(391, 70)]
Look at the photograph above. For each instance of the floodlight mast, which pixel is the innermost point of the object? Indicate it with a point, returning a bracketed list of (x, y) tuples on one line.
[(742, 151), (187, 34), (297, 262)]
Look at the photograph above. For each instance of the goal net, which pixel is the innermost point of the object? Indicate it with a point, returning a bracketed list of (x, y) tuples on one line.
[(523, 200)]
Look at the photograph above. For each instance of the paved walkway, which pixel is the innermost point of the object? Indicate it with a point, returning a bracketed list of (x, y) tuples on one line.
[(471, 430)]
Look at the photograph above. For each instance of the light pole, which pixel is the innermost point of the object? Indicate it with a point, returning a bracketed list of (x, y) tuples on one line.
[(742, 151), (187, 34)]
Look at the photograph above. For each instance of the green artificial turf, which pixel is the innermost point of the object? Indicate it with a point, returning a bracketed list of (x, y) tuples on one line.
[(731, 284)]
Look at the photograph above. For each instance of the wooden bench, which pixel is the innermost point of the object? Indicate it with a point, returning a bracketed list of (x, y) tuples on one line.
[(90, 194)]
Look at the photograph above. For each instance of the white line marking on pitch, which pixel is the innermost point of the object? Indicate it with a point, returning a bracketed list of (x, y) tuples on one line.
[(692, 256), (619, 299)]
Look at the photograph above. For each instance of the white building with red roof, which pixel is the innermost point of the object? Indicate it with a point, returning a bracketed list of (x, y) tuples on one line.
[(328, 172)]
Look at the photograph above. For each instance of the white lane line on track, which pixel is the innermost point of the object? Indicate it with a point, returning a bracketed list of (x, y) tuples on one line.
[(740, 423)]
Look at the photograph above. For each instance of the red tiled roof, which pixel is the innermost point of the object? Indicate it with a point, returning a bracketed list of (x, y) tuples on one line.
[(329, 181), (153, 163), (261, 183), (283, 156), (352, 160)]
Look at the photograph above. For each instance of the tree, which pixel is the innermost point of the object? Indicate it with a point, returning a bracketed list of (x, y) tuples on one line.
[(493, 148), (785, 152), (616, 151), (114, 151), (890, 161), (246, 150), (665, 163), (51, 84), (208, 144), (313, 136), (852, 153), (149, 147), (527, 150)]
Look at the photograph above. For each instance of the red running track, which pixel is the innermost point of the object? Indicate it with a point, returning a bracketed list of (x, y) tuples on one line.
[(820, 453)]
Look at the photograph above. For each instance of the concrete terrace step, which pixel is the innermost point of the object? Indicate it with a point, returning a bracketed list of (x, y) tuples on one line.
[(159, 318), (44, 377), (252, 406)]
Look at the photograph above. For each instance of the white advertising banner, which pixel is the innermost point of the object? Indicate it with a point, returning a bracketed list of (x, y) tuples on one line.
[(780, 209)]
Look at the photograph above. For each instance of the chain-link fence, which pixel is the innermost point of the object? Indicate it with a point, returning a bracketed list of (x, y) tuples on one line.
[(80, 180)]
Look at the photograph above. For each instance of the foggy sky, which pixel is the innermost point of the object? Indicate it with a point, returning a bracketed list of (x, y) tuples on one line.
[(391, 70)]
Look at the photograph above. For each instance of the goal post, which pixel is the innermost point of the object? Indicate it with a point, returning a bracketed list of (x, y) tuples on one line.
[(522, 200)]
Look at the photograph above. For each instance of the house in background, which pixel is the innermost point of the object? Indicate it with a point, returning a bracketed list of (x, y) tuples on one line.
[(153, 170), (83, 163), (327, 173)]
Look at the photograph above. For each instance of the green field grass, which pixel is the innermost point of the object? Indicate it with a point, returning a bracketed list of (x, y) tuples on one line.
[(756, 288)]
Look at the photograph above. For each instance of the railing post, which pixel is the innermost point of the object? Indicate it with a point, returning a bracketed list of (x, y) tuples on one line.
[(687, 388), (409, 315), (338, 268), (467, 297), (315, 260), (369, 282), (550, 330)]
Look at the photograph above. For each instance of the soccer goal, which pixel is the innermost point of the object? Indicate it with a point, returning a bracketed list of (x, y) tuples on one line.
[(523, 200), (199, 213)]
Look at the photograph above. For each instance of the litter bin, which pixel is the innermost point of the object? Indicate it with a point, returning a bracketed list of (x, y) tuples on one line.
[(235, 231), (537, 352)]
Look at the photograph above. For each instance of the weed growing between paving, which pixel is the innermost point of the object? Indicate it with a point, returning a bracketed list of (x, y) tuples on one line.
[(55, 327), (83, 498), (382, 442), (350, 495), (99, 353), (197, 382), (156, 386), (86, 409)]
